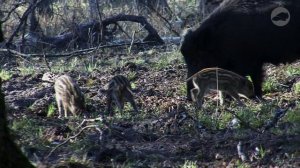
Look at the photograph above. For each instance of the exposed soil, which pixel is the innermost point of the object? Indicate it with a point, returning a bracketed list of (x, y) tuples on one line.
[(166, 132)]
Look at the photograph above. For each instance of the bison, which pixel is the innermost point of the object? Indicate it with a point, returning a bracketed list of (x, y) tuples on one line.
[(242, 35)]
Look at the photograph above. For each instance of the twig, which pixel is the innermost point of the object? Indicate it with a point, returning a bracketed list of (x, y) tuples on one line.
[(120, 27), (241, 151), (11, 11), (74, 53), (170, 27), (47, 63), (132, 40), (72, 137), (90, 120), (164, 136)]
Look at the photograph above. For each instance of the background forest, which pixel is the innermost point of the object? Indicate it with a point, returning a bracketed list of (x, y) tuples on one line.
[(94, 40)]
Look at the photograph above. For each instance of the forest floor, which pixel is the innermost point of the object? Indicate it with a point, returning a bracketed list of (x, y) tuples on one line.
[(168, 131)]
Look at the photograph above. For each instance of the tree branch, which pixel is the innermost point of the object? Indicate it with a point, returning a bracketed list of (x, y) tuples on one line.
[(22, 20)]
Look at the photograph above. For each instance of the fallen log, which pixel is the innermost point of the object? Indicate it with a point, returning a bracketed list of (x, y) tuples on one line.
[(84, 35)]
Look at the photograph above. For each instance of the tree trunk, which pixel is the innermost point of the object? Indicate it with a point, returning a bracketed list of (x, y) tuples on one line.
[(93, 10), (11, 156), (34, 25), (90, 33)]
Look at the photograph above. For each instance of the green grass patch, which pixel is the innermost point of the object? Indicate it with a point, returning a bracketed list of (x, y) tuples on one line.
[(207, 120), (240, 164), (189, 164), (51, 110), (27, 70), (297, 88), (166, 59), (255, 115), (128, 113), (5, 75), (90, 67), (131, 75), (270, 85), (30, 128), (25, 124), (75, 64), (293, 116), (291, 71), (63, 66), (182, 89), (138, 61), (225, 118)]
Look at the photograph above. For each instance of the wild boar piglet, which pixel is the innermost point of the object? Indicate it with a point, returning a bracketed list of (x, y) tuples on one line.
[(69, 97), (119, 91), (219, 79)]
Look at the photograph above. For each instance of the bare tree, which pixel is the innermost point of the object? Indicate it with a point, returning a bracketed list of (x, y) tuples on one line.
[(149, 6), (207, 6), (93, 10)]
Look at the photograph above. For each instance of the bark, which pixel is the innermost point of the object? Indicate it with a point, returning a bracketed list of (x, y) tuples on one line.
[(152, 33), (33, 23)]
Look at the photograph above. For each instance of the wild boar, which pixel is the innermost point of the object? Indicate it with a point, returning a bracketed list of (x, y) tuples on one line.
[(222, 80), (68, 96), (242, 35), (119, 90)]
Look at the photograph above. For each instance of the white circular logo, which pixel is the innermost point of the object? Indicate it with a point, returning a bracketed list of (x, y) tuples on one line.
[(280, 16)]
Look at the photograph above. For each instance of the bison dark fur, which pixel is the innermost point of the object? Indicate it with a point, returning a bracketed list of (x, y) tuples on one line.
[(240, 36)]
